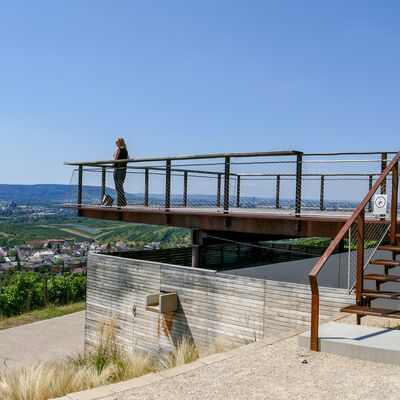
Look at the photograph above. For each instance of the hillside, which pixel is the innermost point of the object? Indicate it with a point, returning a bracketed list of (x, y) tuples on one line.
[(37, 194)]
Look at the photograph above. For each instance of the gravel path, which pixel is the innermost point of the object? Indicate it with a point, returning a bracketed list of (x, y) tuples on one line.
[(276, 372)]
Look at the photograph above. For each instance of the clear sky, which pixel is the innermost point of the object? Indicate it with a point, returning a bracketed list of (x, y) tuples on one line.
[(184, 77)]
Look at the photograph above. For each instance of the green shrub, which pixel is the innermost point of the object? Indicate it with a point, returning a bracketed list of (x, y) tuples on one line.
[(26, 291)]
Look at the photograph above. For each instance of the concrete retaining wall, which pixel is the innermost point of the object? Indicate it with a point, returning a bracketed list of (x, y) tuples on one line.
[(211, 306)]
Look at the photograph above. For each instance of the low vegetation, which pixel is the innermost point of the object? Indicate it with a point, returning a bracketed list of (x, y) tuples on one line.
[(25, 291), (41, 314), (106, 363)]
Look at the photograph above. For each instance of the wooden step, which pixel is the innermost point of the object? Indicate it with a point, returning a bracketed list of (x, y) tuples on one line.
[(382, 277), (386, 263), (388, 247), (373, 311), (380, 294)]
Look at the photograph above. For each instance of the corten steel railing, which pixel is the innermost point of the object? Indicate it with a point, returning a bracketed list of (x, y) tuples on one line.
[(287, 182), (362, 234)]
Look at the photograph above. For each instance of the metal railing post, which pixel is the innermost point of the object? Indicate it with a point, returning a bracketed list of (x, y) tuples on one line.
[(146, 187), (168, 185), (383, 166), (103, 183), (299, 167), (278, 192), (185, 188), (321, 193), (360, 257), (226, 183), (80, 185), (393, 209), (370, 179), (238, 191), (219, 191)]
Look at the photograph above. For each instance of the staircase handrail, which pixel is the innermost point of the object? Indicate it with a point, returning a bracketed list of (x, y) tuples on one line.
[(331, 248)]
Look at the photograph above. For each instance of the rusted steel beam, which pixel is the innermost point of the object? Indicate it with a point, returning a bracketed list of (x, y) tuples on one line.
[(248, 223)]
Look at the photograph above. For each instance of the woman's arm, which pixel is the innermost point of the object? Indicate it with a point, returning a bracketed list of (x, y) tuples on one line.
[(116, 153)]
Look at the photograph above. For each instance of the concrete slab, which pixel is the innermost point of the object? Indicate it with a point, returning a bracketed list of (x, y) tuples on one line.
[(46, 340), (357, 341)]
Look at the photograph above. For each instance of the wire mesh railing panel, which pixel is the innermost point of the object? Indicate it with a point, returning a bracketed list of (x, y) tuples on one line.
[(375, 230), (156, 189)]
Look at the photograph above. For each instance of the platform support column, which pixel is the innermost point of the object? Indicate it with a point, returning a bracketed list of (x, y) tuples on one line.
[(197, 242)]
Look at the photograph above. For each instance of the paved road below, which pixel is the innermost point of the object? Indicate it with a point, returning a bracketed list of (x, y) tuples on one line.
[(47, 340)]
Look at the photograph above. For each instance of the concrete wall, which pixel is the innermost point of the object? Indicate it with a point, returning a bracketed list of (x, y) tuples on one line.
[(211, 306)]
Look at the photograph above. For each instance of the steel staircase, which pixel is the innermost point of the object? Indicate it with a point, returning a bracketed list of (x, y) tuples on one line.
[(365, 234), (365, 307)]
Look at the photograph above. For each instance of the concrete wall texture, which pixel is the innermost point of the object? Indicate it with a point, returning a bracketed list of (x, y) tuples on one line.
[(211, 306)]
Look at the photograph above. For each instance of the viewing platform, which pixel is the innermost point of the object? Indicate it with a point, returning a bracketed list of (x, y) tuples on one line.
[(273, 194)]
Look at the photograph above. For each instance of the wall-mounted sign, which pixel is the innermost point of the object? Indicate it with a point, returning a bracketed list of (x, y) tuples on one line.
[(380, 204)]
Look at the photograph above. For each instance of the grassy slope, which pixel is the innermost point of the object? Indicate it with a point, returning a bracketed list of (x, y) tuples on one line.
[(42, 314)]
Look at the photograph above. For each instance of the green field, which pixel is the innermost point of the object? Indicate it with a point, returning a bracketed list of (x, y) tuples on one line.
[(17, 232)]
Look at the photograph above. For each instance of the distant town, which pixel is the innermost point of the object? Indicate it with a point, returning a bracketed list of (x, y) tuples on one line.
[(48, 238)]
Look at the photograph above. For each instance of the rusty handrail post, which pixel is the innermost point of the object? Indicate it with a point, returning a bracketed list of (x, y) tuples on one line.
[(393, 210), (278, 192), (360, 257), (185, 188), (383, 166), (314, 313), (80, 185), (226, 183), (168, 185), (299, 168), (238, 191), (146, 187), (370, 181), (321, 193), (103, 183)]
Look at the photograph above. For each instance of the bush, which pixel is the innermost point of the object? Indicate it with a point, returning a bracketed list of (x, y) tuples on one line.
[(26, 291)]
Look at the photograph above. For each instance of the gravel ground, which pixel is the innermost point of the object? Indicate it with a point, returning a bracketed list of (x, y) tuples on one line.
[(276, 372)]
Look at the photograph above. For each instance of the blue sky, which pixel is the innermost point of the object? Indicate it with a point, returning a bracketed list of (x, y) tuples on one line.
[(183, 77)]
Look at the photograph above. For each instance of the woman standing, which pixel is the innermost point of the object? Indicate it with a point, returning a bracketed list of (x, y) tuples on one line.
[(121, 153)]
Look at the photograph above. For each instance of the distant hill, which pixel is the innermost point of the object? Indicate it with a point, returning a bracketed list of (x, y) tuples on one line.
[(25, 194)]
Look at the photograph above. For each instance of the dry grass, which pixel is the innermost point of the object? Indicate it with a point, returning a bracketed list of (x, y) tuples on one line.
[(184, 353), (106, 363)]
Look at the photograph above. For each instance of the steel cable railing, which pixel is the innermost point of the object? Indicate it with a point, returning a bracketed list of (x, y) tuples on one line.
[(288, 182)]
